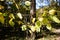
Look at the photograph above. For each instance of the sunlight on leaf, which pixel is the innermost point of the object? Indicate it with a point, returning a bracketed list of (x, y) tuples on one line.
[(27, 3), (41, 19), (33, 20), (33, 28), (52, 12), (49, 27), (24, 27), (37, 28), (0, 13), (19, 15)]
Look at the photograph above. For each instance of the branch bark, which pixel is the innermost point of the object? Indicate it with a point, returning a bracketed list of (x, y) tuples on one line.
[(33, 9)]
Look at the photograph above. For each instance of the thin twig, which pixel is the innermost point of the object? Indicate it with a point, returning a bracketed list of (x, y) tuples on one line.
[(16, 4)]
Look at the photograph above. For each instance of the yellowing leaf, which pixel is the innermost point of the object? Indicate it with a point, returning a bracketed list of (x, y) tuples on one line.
[(2, 19), (11, 22)]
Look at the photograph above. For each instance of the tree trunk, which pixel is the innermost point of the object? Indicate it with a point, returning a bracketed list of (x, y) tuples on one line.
[(33, 15), (33, 9)]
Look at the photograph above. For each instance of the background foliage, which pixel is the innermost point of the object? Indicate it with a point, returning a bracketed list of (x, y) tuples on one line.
[(16, 14)]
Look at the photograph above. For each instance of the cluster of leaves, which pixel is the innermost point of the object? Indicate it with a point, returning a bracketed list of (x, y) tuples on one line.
[(11, 16), (47, 16), (43, 17)]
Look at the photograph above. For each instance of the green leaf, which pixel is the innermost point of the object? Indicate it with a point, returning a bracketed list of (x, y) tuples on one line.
[(49, 27), (11, 22), (38, 23), (19, 22), (23, 27), (19, 15), (45, 13), (55, 19), (37, 28), (45, 21), (4, 14), (33, 28)]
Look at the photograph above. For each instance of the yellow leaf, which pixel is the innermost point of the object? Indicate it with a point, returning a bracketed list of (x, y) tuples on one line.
[(11, 22), (0, 13), (33, 20), (11, 16), (2, 19)]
